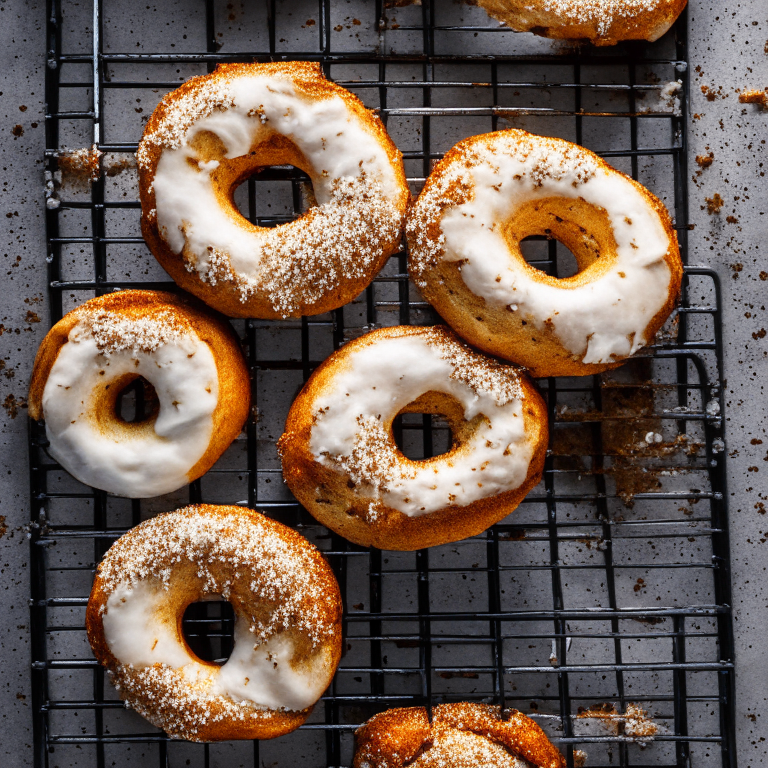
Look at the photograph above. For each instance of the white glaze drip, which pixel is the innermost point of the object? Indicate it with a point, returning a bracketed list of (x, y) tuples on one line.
[(143, 463), (351, 433)]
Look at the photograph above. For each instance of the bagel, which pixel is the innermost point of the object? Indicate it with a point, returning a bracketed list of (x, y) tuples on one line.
[(460, 735), (213, 132), (489, 193), (341, 461), (287, 623), (191, 358), (601, 22)]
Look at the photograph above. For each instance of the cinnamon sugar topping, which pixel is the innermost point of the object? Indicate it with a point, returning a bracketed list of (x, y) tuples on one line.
[(115, 332)]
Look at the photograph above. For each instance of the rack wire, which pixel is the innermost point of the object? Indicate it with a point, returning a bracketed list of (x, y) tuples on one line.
[(608, 589)]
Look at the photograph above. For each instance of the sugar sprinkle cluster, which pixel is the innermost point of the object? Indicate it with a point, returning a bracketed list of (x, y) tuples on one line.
[(223, 547), (481, 374), (181, 112), (163, 697), (114, 332), (603, 13), (453, 748), (304, 261)]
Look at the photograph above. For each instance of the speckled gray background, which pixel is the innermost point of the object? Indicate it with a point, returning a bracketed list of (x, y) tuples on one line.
[(728, 52)]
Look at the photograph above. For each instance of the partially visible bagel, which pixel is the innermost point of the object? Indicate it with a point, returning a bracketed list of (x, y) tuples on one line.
[(463, 735), (601, 22)]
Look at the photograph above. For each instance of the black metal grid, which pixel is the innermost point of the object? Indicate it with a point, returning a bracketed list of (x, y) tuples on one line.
[(609, 584)]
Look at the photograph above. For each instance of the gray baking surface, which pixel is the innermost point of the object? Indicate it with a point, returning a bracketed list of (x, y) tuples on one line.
[(728, 52)]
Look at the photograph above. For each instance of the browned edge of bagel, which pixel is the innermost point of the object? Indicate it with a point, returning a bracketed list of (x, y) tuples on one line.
[(494, 329), (394, 738), (393, 529), (274, 722), (234, 398), (224, 296)]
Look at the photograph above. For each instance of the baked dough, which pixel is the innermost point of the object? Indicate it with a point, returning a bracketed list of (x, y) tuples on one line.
[(489, 193), (216, 130), (341, 461), (191, 358), (462, 735), (287, 623)]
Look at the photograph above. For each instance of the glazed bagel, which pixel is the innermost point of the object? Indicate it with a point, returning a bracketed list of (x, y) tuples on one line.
[(208, 136), (341, 461), (287, 623), (601, 22), (191, 359), (492, 191), (460, 735)]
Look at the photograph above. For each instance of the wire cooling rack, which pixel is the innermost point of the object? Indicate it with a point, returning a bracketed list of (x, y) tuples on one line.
[(601, 607)]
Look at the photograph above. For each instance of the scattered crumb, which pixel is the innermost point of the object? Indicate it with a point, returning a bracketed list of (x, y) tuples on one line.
[(12, 405), (113, 165), (711, 94), (116, 333), (80, 164), (704, 161), (755, 96), (635, 721), (667, 99), (714, 204)]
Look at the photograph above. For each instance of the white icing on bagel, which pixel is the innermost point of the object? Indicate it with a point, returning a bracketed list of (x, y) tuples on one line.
[(142, 462), (140, 634), (352, 432), (353, 180), (598, 322)]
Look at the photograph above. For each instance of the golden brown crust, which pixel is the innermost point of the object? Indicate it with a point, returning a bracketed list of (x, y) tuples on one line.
[(394, 738), (325, 493), (225, 296), (233, 404), (508, 335), (587, 20), (184, 717)]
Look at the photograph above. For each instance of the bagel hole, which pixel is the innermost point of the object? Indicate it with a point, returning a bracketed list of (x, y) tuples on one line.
[(274, 195), (422, 436), (209, 629), (137, 402), (549, 255), (563, 237)]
